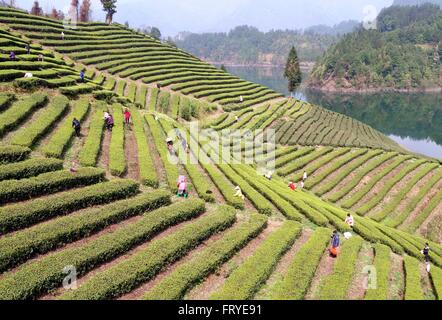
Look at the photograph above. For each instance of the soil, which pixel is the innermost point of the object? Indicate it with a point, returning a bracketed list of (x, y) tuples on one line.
[(396, 279), (120, 258), (356, 289), (411, 194), (437, 212), (392, 194), (158, 163), (351, 177), (46, 196), (103, 157), (309, 166), (131, 155), (216, 280), (34, 116), (324, 269), (149, 95), (141, 290), (71, 156), (422, 205), (376, 188), (283, 265), (327, 166), (427, 286), (82, 241), (374, 191), (219, 199), (44, 141)]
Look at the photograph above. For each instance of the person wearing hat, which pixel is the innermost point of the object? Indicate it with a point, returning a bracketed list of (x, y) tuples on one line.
[(426, 252), (169, 142), (335, 242), (292, 186), (239, 193)]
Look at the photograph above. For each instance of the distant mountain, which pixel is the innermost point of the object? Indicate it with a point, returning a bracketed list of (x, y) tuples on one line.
[(338, 29), (403, 53), (246, 45), (415, 2)]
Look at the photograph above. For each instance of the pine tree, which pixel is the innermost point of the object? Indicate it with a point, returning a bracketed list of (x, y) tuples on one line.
[(36, 9), (109, 6), (85, 11), (54, 14), (292, 71), (155, 33)]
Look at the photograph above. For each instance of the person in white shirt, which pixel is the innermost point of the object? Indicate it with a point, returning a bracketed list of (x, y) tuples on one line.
[(349, 220), (304, 177), (269, 175), (239, 193)]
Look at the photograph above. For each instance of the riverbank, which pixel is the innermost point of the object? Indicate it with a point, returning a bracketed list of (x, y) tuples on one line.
[(306, 65), (375, 90), (330, 87)]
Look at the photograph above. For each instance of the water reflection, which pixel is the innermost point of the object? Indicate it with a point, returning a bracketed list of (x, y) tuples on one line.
[(413, 120)]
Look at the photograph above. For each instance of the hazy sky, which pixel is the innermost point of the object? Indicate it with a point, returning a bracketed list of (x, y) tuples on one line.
[(173, 16)]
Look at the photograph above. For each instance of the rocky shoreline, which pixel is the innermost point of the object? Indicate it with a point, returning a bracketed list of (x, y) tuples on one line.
[(333, 89), (375, 90), (304, 65)]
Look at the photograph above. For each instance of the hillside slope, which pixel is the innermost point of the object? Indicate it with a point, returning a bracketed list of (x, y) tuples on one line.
[(403, 53), (415, 2), (105, 202), (246, 45), (124, 53)]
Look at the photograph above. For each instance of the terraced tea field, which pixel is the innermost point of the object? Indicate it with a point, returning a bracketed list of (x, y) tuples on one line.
[(102, 207), (125, 54)]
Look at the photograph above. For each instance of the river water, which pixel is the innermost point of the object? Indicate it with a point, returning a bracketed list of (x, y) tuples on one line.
[(414, 120)]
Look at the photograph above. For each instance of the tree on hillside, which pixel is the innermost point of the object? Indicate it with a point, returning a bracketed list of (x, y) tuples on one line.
[(73, 11), (110, 7), (439, 52), (85, 11), (155, 33), (170, 42), (7, 3), (56, 14), (292, 71), (36, 9)]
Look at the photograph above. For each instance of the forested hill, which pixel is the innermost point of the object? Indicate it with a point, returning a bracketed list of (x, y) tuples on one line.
[(403, 53), (247, 45), (415, 2)]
